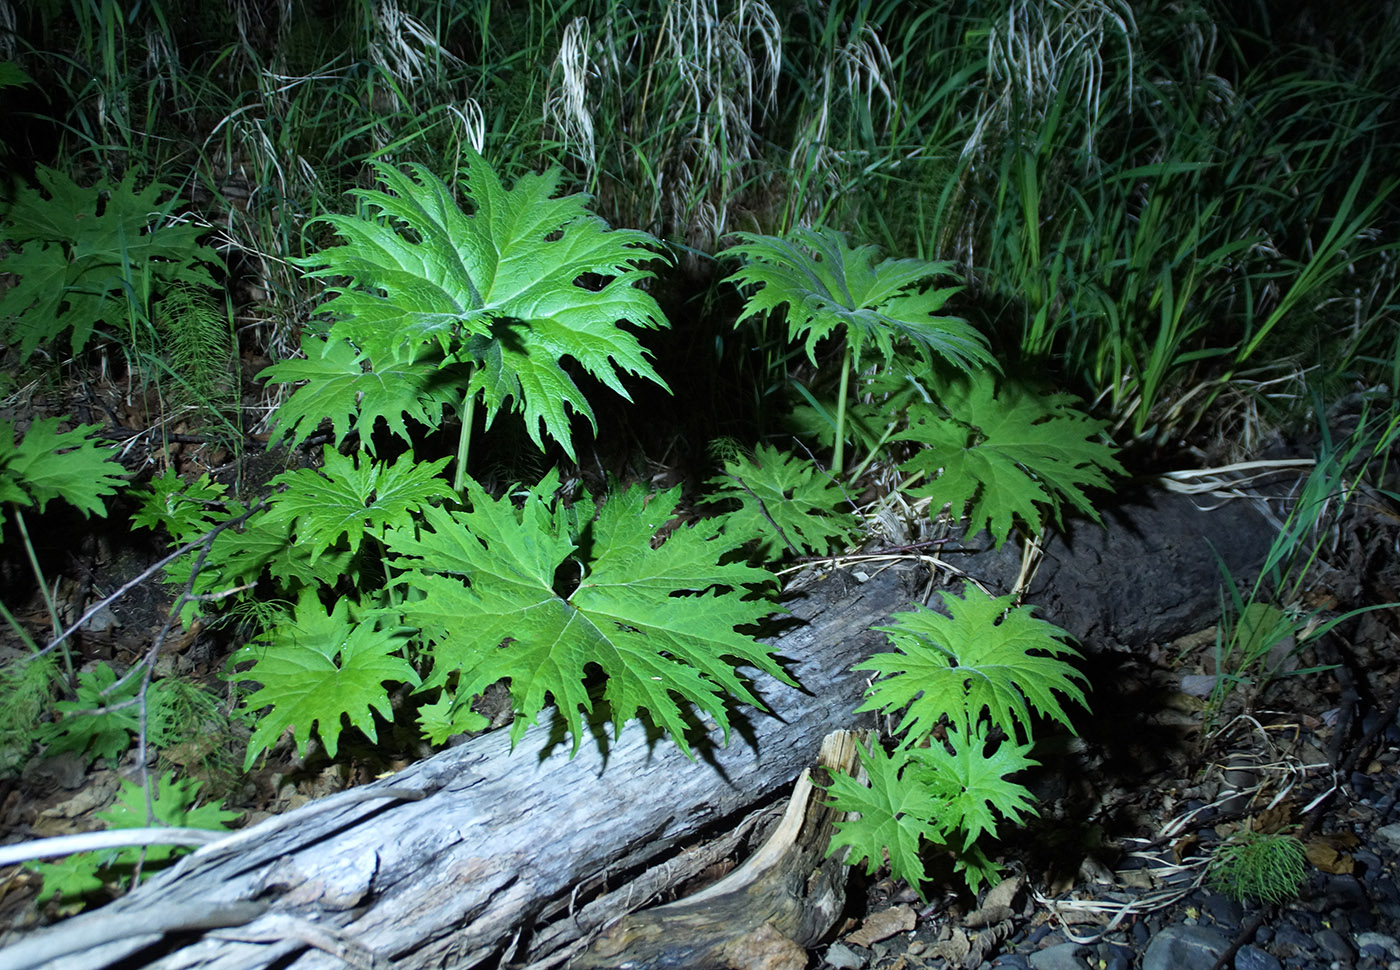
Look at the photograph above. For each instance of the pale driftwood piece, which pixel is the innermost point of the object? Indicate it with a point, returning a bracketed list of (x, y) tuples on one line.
[(452, 878), (763, 916)]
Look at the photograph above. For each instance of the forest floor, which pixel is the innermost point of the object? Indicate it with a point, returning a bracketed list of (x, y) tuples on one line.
[(1113, 874)]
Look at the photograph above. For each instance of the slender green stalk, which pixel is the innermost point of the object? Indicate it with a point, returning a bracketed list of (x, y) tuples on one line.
[(839, 457), (49, 603), (464, 437)]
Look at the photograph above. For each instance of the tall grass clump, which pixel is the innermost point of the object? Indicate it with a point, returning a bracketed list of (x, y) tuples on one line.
[(1174, 218)]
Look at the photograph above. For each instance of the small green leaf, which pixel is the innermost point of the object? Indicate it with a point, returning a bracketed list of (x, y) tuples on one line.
[(985, 655), (182, 508), (971, 785), (895, 813), (95, 724), (49, 464), (318, 668), (339, 387), (68, 879), (174, 804), (342, 499), (785, 504), (1006, 453), (445, 717)]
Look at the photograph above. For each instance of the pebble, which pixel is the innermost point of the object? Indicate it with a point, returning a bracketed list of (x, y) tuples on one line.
[(1391, 833), (1114, 957), (1184, 946), (1289, 940), (1226, 912), (1061, 956), (1253, 958), (1387, 947), (1337, 948), (842, 957), (1344, 893)]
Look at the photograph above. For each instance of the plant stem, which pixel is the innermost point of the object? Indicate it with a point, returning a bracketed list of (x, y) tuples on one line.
[(43, 586), (840, 455), (20, 631), (464, 440)]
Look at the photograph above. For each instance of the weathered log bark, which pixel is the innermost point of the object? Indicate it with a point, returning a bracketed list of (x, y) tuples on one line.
[(466, 847), (781, 901), (453, 861)]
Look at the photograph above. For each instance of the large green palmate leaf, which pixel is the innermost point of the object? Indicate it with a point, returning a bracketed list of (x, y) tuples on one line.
[(827, 284), (986, 655), (83, 252), (658, 622), (1007, 453), (318, 667), (514, 286)]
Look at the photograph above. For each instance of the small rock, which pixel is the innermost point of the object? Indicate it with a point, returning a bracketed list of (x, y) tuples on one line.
[(1287, 935), (841, 956), (1225, 911), (1197, 685), (1337, 948), (1391, 833), (1346, 893), (1061, 956), (1386, 946), (1177, 947), (1013, 961), (1366, 860), (1114, 957), (1253, 958)]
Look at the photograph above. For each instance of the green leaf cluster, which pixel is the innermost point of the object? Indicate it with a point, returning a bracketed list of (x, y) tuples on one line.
[(967, 686), (1003, 454), (785, 506), (86, 256), (543, 594), (48, 464), (174, 804), (446, 305), (608, 609)]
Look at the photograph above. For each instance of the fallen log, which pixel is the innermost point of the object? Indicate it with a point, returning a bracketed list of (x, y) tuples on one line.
[(781, 901), (449, 861), (463, 859)]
